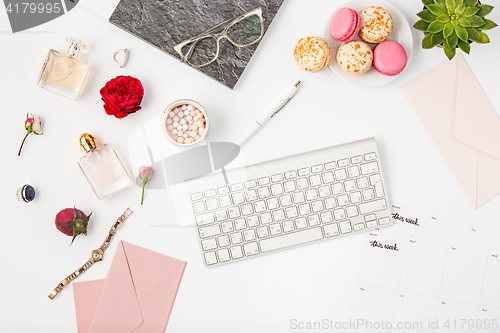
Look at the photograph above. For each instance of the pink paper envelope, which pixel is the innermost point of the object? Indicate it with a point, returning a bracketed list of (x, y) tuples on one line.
[(463, 125), (137, 295)]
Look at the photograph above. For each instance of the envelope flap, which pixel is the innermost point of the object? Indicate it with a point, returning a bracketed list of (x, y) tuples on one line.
[(477, 123), (86, 295), (118, 308)]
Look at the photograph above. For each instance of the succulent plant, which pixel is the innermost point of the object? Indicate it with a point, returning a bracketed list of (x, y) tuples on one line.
[(454, 23)]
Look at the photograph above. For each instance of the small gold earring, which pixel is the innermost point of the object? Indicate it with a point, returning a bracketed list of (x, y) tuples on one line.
[(124, 60)]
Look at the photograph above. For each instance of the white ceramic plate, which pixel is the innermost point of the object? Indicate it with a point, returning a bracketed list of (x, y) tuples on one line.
[(401, 33)]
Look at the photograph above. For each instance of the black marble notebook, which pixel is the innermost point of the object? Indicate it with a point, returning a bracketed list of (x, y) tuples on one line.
[(165, 23)]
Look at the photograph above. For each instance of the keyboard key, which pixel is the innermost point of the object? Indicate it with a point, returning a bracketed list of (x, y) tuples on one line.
[(371, 224), (330, 203), (343, 163), (272, 203), (289, 186), (210, 193), (198, 207), (370, 217), (260, 206), (223, 255), (384, 220), (315, 180), (251, 249), (370, 157), (223, 190), (298, 197), (279, 215), (275, 229), (227, 227), (317, 168), (249, 235), (210, 258), (368, 194), (301, 223), (247, 209), (372, 206), (204, 219), (317, 206), (331, 230), (221, 215), (291, 212), (339, 214), (362, 182), (262, 232), (376, 181), (234, 212), (250, 195), (263, 181), (286, 200), (290, 174), (324, 191), (352, 211), (356, 159), (353, 171), (209, 244), (340, 174), (210, 231), (305, 209), (236, 252), (330, 165), (240, 224), (349, 185), (236, 238), (358, 226), (238, 198), (313, 220), (237, 187), (265, 218), (326, 217), (277, 177), (288, 226), (304, 172), (212, 204), (369, 168), (276, 189), (302, 183), (328, 177), (251, 183), (345, 227), (263, 192), (196, 196), (343, 200), (311, 194), (337, 188), (291, 239), (223, 240), (355, 197), (252, 221)]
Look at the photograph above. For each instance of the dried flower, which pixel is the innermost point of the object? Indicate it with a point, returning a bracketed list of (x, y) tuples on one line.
[(72, 222), (33, 125), (146, 174)]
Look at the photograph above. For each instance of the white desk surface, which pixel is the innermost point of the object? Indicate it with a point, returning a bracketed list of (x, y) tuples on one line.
[(309, 283)]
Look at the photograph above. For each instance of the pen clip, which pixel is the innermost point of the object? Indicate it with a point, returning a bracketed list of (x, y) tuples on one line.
[(289, 98)]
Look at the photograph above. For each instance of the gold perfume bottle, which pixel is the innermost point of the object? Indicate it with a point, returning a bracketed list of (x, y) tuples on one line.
[(65, 73)]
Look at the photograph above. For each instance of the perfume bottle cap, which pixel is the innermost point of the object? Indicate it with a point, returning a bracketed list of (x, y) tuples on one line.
[(87, 142), (75, 45)]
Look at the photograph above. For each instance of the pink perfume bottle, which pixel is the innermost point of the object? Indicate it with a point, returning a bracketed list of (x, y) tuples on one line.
[(102, 167)]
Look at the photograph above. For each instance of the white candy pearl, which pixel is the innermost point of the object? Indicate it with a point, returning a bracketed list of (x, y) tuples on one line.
[(184, 107), (190, 107), (183, 121)]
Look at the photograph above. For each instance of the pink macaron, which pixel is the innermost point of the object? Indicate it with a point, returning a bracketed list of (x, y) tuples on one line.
[(389, 58), (345, 24)]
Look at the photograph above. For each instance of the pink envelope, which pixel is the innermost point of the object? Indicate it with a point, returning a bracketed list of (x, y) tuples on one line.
[(463, 125), (137, 295)]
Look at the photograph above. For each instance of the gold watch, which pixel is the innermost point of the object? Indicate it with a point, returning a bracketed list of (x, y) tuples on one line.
[(95, 256)]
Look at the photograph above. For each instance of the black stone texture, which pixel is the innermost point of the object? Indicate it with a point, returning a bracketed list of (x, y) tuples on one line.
[(165, 23)]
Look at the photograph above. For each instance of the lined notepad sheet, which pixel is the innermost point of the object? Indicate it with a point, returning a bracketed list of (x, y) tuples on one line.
[(428, 273)]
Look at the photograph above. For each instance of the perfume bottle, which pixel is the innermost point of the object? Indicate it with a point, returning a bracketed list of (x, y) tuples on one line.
[(102, 167), (65, 73)]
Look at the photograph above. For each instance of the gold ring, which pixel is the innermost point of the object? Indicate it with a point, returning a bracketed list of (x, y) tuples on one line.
[(125, 57)]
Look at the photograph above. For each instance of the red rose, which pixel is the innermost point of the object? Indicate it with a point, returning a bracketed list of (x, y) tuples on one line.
[(72, 222), (122, 96)]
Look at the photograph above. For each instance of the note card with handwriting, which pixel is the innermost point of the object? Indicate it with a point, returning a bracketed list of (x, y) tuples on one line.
[(428, 273)]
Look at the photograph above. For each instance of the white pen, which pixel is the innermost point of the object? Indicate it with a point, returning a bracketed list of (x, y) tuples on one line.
[(268, 114)]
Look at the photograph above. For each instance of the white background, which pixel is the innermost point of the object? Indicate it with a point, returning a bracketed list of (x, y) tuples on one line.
[(309, 283)]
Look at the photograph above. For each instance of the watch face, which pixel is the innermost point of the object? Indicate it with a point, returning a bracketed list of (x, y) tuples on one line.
[(96, 255)]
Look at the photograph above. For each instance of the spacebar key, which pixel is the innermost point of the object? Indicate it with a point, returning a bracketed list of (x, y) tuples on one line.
[(295, 238)]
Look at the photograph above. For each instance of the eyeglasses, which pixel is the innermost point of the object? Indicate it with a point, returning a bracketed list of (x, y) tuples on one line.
[(241, 31)]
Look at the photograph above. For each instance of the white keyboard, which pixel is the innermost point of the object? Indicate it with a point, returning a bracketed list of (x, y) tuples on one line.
[(318, 195)]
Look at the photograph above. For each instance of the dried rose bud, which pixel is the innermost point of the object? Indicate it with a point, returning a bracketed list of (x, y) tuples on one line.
[(72, 222)]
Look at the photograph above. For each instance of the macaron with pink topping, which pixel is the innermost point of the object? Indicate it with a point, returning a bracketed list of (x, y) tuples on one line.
[(389, 58), (345, 24)]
